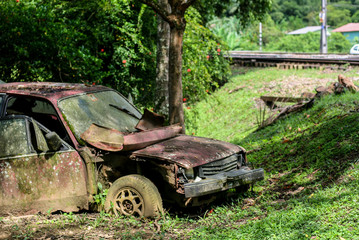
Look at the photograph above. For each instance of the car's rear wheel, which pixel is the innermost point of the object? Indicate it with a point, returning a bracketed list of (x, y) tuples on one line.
[(134, 195)]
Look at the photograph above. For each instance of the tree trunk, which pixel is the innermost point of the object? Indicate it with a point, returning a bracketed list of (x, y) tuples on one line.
[(175, 77), (163, 42)]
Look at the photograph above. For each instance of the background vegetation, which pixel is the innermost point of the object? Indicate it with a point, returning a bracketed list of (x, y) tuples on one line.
[(286, 16), (111, 43)]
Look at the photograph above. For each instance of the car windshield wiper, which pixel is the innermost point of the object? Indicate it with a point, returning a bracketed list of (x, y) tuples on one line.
[(124, 110)]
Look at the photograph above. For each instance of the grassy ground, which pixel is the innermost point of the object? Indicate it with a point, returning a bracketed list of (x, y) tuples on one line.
[(311, 159)]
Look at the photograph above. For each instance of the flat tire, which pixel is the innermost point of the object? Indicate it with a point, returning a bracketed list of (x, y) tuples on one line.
[(134, 195)]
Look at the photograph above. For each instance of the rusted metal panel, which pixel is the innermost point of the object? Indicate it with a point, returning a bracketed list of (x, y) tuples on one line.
[(40, 183), (223, 181), (113, 140), (143, 139), (189, 151), (104, 138), (49, 90), (150, 120)]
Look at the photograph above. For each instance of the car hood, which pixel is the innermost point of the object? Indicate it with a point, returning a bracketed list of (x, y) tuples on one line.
[(189, 151)]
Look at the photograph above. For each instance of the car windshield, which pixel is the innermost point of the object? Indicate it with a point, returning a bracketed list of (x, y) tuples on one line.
[(107, 108)]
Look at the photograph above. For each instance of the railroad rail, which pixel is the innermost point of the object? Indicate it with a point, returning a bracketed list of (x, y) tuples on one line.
[(292, 60)]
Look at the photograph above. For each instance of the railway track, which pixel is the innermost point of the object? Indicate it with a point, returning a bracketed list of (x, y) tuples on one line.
[(293, 60)]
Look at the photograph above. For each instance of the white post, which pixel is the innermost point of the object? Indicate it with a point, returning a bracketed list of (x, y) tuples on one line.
[(260, 36), (323, 20)]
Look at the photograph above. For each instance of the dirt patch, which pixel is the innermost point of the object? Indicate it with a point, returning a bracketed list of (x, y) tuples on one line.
[(294, 86), (79, 226)]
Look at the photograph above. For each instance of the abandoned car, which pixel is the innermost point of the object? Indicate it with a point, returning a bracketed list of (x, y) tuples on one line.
[(59, 141)]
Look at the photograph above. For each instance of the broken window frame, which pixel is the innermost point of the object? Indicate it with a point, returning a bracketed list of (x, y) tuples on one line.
[(72, 196), (30, 147), (60, 129), (30, 123)]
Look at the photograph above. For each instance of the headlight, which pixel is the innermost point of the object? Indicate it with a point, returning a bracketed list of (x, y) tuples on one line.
[(189, 173)]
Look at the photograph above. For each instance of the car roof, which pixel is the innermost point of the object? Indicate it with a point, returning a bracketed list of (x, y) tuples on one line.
[(49, 90)]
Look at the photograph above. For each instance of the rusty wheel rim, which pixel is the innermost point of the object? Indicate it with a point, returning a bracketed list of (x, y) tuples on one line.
[(129, 202)]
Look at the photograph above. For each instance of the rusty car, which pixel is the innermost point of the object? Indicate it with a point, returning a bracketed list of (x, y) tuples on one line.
[(60, 140)]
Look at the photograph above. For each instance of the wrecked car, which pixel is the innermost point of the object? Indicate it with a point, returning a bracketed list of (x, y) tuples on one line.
[(59, 141)]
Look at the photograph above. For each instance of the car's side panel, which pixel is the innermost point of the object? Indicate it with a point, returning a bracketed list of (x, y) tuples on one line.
[(43, 183), (36, 180)]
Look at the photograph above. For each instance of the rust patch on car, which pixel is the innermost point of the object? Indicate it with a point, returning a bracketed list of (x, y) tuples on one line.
[(143, 139), (32, 183), (104, 138), (150, 120), (189, 151), (114, 141)]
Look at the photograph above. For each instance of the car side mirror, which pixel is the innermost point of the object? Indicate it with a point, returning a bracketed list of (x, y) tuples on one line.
[(41, 144), (53, 141)]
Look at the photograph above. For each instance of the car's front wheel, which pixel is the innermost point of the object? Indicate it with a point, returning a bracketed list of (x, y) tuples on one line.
[(134, 195)]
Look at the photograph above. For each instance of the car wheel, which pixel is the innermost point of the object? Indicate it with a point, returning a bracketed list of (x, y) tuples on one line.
[(134, 195)]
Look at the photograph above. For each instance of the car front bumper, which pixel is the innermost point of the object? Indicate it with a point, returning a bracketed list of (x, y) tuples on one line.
[(223, 181)]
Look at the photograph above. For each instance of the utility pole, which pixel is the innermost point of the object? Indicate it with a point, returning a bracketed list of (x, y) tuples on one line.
[(260, 36), (323, 20)]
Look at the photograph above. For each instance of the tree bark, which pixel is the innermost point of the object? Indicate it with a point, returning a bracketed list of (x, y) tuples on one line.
[(174, 15), (163, 42), (175, 77)]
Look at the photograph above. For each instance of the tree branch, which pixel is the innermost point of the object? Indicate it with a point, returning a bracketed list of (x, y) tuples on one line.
[(158, 9)]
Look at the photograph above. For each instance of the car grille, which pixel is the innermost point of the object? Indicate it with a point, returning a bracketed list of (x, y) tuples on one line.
[(223, 165)]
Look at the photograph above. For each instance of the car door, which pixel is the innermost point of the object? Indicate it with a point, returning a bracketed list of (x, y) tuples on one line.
[(36, 174)]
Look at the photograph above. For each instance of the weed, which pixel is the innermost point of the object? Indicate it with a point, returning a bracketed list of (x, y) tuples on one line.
[(100, 197)]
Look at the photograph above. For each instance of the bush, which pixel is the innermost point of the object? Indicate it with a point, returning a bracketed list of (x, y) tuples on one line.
[(309, 42), (112, 43), (71, 41), (204, 65)]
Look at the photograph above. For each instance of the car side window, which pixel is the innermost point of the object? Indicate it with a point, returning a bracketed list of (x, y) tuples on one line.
[(39, 109), (14, 138), (23, 135)]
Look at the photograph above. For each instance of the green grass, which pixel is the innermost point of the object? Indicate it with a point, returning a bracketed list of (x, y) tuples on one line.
[(231, 117), (310, 158)]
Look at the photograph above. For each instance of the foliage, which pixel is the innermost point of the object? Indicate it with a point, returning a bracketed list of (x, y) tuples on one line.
[(338, 43), (299, 13), (273, 39), (71, 41), (355, 17), (245, 10), (293, 10), (301, 43), (204, 65), (338, 17), (310, 43), (230, 31), (100, 197), (112, 43)]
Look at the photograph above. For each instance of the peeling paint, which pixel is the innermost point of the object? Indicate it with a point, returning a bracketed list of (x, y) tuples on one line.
[(42, 182)]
